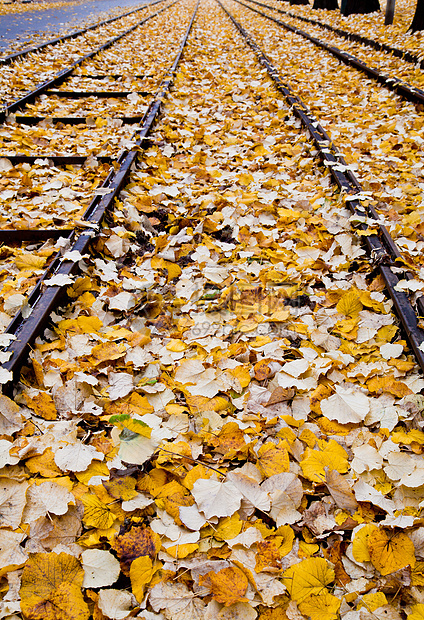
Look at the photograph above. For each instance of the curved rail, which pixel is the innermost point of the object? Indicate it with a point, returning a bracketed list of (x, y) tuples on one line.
[(381, 248)]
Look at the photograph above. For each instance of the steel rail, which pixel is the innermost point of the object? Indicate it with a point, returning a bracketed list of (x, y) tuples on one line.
[(44, 299), (379, 253), (62, 75), (7, 60), (401, 88), (352, 36)]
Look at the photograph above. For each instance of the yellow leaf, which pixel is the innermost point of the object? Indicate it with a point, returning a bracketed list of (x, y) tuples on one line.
[(242, 374), (176, 345), (182, 551), (228, 528), (273, 459), (372, 601), (141, 573), (284, 539), (369, 302), (268, 556), (417, 574), (121, 488), (360, 549), (350, 304), (388, 384), (51, 588), (322, 607), (29, 261), (331, 455), (408, 437), (386, 333), (245, 179), (43, 405), (81, 325), (96, 468), (308, 578), (390, 551), (227, 586), (417, 612), (197, 472), (81, 286), (174, 270), (96, 513), (43, 465), (106, 351), (306, 550)]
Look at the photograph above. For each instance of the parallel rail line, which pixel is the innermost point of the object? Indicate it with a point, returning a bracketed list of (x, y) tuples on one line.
[(43, 300), (401, 88), (382, 250), (381, 247), (351, 36), (7, 60), (62, 75)]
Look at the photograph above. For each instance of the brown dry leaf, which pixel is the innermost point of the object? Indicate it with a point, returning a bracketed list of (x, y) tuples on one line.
[(135, 543), (340, 490)]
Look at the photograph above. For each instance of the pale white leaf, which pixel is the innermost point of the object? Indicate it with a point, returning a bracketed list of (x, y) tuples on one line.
[(366, 493), (47, 497), (59, 280), (250, 490), (216, 499), (391, 350), (115, 604), (346, 406), (76, 457), (101, 568)]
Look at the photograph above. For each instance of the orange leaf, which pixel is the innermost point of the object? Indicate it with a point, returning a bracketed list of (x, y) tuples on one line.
[(43, 405), (227, 586)]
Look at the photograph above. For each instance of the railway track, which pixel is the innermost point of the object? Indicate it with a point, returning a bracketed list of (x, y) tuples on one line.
[(382, 249), (405, 55), (42, 303), (18, 77), (204, 311), (359, 125), (6, 60), (383, 74)]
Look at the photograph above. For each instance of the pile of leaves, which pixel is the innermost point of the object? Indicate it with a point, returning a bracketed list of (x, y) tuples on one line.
[(225, 422)]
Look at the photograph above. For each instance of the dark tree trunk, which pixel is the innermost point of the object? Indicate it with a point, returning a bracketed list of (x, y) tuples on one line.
[(299, 2), (350, 7), (330, 5), (418, 21)]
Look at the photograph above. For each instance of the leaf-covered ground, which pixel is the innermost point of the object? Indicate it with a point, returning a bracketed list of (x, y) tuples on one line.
[(225, 422), (371, 25)]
